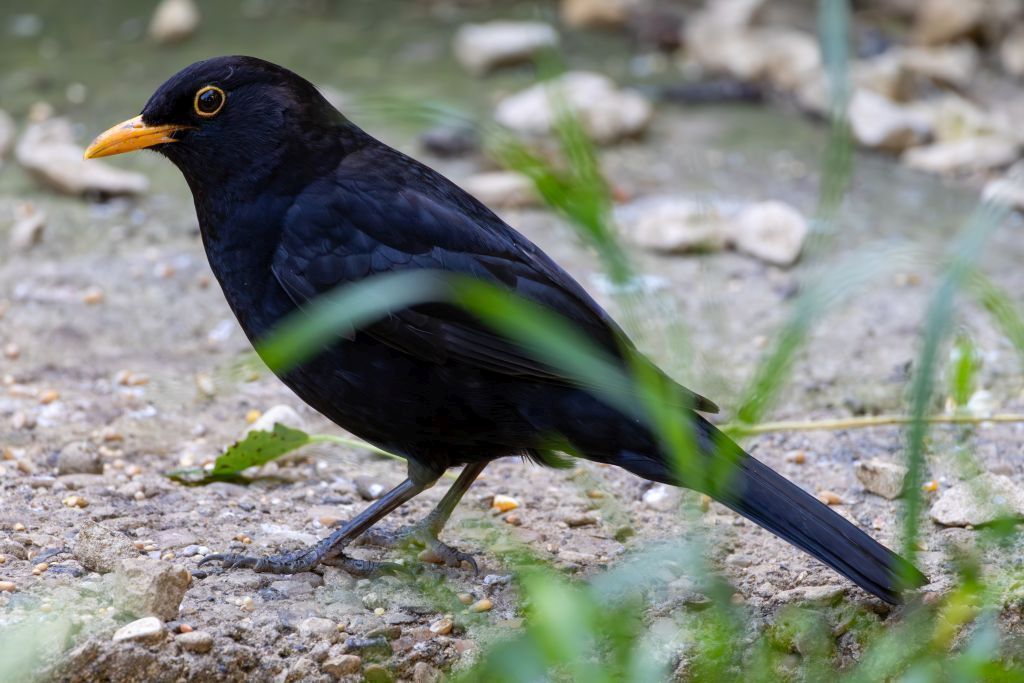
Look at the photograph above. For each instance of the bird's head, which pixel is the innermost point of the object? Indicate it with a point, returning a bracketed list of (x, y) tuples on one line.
[(226, 117)]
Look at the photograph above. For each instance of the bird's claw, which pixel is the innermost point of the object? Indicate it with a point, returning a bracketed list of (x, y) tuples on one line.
[(420, 535), (367, 569), (288, 563)]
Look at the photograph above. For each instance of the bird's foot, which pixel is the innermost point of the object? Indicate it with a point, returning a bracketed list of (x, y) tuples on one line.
[(421, 535), (285, 563)]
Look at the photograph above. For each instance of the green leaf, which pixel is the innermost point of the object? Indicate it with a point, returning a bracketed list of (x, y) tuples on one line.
[(258, 448)]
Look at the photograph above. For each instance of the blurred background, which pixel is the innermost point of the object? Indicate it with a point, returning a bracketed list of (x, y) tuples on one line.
[(746, 149)]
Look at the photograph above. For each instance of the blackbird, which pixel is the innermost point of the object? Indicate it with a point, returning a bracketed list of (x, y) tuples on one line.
[(294, 200)]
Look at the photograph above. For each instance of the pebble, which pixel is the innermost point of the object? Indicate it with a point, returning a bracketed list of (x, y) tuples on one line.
[(885, 479), (829, 497), (79, 457), (450, 141), (673, 225), (480, 48), (880, 123), (146, 586), (377, 646), (28, 228), (40, 568), (195, 641), (504, 503), (441, 627), (377, 673), (978, 501), (578, 520), (75, 502), (369, 488), (173, 21), (961, 156), (595, 13), (278, 414), (484, 605), (796, 457), (147, 628), (426, 673), (465, 598), (342, 665), (49, 396), (772, 231), (942, 21), (662, 498), (92, 296), (7, 587), (502, 189), (317, 627)]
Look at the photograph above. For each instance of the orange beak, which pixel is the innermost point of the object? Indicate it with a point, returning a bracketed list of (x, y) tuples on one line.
[(129, 136)]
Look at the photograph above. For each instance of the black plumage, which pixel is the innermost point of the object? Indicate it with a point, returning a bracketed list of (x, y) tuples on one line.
[(294, 201)]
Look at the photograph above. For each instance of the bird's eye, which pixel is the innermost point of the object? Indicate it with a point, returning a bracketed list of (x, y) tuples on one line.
[(209, 101)]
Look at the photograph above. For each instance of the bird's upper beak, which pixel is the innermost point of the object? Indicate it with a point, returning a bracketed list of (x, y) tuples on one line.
[(129, 136)]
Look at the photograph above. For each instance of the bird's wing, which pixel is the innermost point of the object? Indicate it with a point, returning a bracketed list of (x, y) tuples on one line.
[(350, 229)]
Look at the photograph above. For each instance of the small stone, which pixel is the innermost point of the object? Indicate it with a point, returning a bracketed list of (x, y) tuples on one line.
[(578, 520), (880, 123), (370, 488), (1011, 52), (76, 502), (883, 478), (504, 503), (672, 225), (942, 21), (7, 587), (147, 628), (771, 231), (662, 498), (829, 497), (484, 605), (962, 156), (596, 13), (606, 113), (953, 66), (451, 140), (173, 21), (252, 416), (185, 628), (425, 673), (442, 627), (503, 189), (465, 598), (377, 673), (40, 568), (796, 457), (317, 627), (279, 414), (930, 486), (342, 665), (981, 500), (370, 646), (147, 586), (821, 594), (49, 396), (27, 231), (247, 604), (79, 457), (483, 47), (195, 641)]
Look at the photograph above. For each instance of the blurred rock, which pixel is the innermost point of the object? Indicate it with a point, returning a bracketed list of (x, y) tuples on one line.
[(47, 150), (1011, 56), (7, 132), (147, 628), (662, 498), (369, 488), (880, 123), (954, 65), (954, 118), (173, 21), (199, 642), (450, 141), (99, 549), (342, 665), (673, 225), (79, 457), (771, 231), (27, 230), (1008, 190), (942, 21), (143, 586), (656, 27), (963, 156), (607, 113), (981, 500), (885, 75), (483, 47), (596, 13), (883, 478), (784, 57), (506, 189), (279, 414)]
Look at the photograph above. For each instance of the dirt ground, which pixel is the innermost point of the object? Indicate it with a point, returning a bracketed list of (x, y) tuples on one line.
[(119, 337)]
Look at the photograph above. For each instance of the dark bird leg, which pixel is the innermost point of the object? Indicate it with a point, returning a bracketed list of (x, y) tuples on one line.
[(330, 550), (424, 533)]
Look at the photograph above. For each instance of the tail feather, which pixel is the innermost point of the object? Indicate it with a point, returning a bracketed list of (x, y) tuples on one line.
[(770, 500)]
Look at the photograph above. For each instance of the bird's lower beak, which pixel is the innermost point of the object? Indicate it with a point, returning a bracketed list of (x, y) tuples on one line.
[(129, 136)]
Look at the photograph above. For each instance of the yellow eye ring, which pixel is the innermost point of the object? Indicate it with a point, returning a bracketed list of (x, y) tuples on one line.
[(209, 100)]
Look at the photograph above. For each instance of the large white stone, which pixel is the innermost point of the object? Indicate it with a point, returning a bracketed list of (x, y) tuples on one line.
[(878, 122), (482, 47), (673, 225), (772, 231), (963, 156), (173, 21), (981, 500), (941, 21)]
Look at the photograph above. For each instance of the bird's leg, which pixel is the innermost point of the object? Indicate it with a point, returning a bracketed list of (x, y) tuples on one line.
[(330, 549), (425, 532)]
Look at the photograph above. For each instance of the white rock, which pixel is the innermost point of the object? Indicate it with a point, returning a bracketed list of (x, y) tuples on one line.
[(99, 549), (967, 155), (784, 57), (771, 231), (954, 65), (790, 56), (147, 628), (981, 500), (7, 130), (672, 224), (174, 21), (502, 188), (483, 47), (941, 21), (279, 414), (199, 642), (883, 478), (954, 118), (151, 587), (318, 627), (884, 74), (596, 13), (1008, 190), (1011, 55), (880, 123), (810, 594), (662, 498), (47, 150), (27, 231), (605, 112)]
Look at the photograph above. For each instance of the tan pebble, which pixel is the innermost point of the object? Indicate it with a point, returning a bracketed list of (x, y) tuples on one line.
[(167, 556), (75, 502), (705, 502), (165, 271), (737, 599), (829, 497), (930, 486), (12, 351), (513, 519), (379, 611), (185, 628), (25, 467), (441, 627), (149, 547), (248, 604), (484, 605), (252, 416), (504, 503), (49, 396), (7, 587), (465, 598), (203, 281), (3, 559), (7, 454), (40, 568), (110, 435), (595, 494), (18, 526), (798, 457), (139, 495), (133, 470), (92, 296), (139, 545), (428, 555)]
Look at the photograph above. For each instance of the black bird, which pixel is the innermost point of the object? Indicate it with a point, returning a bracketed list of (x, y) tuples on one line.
[(294, 200)]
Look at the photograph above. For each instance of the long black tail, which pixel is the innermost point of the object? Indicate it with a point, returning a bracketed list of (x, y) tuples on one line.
[(765, 497)]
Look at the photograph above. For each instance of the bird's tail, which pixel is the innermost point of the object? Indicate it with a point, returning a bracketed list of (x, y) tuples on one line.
[(768, 499)]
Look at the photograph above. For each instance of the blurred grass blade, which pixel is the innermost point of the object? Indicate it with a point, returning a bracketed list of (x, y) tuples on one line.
[(1002, 308)]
